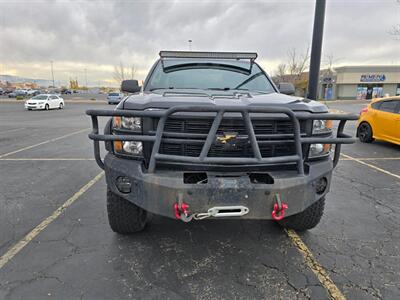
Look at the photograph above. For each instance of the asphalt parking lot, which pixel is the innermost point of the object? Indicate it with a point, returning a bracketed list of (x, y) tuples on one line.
[(46, 161)]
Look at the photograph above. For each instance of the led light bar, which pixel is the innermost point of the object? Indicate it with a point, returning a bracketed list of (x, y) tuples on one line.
[(213, 55)]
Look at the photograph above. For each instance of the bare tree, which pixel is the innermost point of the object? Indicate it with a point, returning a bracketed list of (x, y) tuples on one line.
[(281, 72), (121, 73), (298, 63)]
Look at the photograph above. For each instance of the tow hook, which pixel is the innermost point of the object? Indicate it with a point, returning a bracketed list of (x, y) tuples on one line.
[(278, 213), (181, 210)]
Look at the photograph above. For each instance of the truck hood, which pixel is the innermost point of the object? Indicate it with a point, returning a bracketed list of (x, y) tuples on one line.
[(147, 100)]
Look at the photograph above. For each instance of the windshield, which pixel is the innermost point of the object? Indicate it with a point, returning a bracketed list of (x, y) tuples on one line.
[(234, 75), (113, 94), (40, 97)]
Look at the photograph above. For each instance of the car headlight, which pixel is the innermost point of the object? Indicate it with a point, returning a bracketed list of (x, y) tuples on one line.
[(128, 147), (322, 126), (132, 123)]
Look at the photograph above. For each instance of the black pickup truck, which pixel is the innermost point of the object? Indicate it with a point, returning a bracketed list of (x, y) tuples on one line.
[(209, 135)]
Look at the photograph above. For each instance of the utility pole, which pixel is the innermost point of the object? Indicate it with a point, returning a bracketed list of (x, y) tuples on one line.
[(86, 77), (52, 72), (316, 49), (190, 45)]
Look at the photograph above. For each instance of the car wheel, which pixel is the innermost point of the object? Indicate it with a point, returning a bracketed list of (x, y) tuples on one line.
[(124, 217), (46, 107), (61, 106), (364, 133), (307, 219)]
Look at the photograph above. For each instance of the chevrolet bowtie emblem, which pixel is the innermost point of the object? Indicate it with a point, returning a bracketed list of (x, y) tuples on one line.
[(226, 137)]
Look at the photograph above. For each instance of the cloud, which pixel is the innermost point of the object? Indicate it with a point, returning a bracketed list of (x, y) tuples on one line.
[(97, 35)]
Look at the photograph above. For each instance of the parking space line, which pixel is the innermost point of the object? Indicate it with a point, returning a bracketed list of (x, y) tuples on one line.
[(373, 158), (39, 228), (371, 166), (47, 159), (315, 266), (12, 130), (43, 143)]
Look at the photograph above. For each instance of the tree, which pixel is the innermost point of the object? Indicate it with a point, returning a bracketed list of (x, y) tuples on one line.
[(121, 73), (294, 70)]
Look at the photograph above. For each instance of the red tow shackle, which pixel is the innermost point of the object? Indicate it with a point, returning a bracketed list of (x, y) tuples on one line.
[(278, 213)]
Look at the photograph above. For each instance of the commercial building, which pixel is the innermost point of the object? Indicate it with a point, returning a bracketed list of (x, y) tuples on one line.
[(360, 82)]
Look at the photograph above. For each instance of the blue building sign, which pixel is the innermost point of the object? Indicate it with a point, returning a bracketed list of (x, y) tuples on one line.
[(372, 78)]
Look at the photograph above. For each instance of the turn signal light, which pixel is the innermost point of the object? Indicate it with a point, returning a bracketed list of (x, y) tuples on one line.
[(118, 146)]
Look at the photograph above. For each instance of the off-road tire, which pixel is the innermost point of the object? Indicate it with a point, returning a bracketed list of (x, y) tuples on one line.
[(307, 219), (124, 217), (364, 133)]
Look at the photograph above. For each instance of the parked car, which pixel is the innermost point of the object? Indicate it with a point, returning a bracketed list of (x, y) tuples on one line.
[(66, 91), (212, 137), (31, 93), (44, 101), (1, 91), (114, 97), (17, 93), (380, 120)]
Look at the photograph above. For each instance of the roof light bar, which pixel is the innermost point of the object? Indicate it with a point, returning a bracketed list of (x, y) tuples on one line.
[(213, 55)]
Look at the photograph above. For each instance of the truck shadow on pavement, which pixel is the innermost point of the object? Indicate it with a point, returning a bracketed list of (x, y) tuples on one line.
[(233, 258)]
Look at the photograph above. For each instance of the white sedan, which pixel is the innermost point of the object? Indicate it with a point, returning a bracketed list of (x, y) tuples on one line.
[(44, 101)]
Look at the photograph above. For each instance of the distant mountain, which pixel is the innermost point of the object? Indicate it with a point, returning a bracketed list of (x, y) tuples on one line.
[(18, 79)]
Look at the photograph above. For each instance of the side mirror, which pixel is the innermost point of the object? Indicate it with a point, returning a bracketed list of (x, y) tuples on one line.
[(130, 86), (286, 88)]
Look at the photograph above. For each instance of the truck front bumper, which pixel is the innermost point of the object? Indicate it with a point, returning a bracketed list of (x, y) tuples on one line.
[(158, 192)]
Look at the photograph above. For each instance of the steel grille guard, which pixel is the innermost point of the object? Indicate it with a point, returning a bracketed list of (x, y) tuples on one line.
[(294, 117)]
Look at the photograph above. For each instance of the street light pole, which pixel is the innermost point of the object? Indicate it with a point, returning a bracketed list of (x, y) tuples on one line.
[(52, 72), (316, 49), (86, 77)]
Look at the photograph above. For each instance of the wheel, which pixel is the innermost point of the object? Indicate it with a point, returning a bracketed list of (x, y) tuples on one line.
[(46, 107), (29, 108), (307, 219), (364, 133), (124, 217), (61, 106)]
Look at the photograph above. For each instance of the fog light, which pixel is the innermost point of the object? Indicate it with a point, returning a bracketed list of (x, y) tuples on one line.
[(320, 185), (123, 184)]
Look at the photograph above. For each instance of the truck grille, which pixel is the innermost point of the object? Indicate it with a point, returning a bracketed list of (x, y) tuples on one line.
[(244, 149)]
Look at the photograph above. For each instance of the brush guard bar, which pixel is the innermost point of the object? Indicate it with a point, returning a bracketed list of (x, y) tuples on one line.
[(162, 136)]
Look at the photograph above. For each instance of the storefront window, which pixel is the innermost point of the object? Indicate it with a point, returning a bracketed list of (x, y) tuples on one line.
[(369, 91)]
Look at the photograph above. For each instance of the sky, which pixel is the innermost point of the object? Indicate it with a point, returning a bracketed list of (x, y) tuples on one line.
[(98, 35)]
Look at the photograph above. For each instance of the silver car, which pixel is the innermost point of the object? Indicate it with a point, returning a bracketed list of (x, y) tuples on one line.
[(114, 97)]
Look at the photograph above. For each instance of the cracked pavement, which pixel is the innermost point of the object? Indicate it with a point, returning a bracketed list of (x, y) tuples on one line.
[(78, 257)]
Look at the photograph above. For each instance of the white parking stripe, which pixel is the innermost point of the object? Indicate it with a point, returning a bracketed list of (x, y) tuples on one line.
[(43, 143), (47, 159), (39, 228), (12, 130), (371, 166)]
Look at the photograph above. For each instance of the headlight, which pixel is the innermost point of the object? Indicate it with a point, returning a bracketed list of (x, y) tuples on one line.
[(321, 126), (132, 123), (128, 147)]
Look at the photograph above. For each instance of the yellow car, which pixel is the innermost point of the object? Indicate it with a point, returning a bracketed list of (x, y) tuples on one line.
[(380, 120)]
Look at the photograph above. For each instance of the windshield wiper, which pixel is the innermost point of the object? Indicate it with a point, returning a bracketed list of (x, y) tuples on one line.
[(219, 89)]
